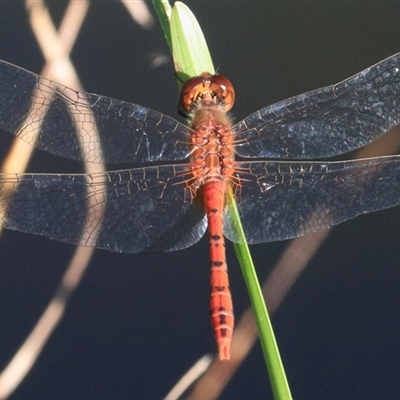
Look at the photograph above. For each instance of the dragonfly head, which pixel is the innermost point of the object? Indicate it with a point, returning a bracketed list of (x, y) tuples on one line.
[(206, 89)]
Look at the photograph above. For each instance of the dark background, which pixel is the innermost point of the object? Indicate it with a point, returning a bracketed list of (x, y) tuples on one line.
[(137, 322)]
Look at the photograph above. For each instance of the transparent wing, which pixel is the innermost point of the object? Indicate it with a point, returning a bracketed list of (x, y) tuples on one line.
[(283, 200), (43, 114), (328, 121), (145, 209)]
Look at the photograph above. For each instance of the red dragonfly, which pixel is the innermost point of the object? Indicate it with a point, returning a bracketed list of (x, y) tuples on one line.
[(167, 207)]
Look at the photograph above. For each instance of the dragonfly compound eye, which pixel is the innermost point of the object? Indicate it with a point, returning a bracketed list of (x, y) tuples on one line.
[(209, 89)]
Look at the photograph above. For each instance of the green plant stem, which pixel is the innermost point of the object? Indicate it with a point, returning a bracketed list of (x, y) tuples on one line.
[(191, 58)]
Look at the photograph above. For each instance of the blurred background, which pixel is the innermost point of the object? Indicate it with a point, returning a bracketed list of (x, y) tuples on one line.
[(138, 322)]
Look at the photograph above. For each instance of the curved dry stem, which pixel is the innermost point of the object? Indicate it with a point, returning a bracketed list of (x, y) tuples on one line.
[(189, 377), (140, 13), (56, 47)]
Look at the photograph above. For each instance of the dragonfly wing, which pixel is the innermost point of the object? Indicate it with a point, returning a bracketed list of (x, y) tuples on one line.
[(141, 211), (48, 116), (328, 121), (283, 200)]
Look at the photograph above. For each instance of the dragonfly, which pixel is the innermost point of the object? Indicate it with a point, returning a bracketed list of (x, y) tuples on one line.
[(164, 205)]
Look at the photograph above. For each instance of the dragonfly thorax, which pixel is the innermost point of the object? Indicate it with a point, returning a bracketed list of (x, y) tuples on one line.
[(212, 139)]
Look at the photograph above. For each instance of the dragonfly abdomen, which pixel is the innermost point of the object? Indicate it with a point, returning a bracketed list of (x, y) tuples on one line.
[(221, 307)]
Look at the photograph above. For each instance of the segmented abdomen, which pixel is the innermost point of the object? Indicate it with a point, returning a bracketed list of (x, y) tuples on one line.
[(221, 307)]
